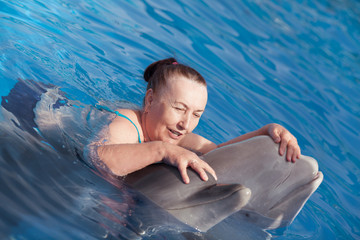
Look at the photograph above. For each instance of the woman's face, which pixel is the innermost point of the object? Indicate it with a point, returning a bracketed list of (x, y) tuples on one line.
[(174, 110)]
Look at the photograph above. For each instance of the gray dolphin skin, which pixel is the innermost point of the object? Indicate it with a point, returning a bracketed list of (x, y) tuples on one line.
[(255, 184), (198, 204)]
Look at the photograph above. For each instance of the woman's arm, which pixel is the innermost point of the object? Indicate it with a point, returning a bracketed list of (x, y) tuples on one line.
[(278, 133), (123, 159), (288, 143)]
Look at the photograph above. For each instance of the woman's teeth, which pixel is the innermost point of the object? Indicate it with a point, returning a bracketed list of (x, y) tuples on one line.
[(175, 132)]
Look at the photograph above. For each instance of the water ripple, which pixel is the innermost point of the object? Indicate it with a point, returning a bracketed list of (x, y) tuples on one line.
[(296, 63)]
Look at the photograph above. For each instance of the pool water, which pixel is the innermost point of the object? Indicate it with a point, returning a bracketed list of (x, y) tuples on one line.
[(295, 63)]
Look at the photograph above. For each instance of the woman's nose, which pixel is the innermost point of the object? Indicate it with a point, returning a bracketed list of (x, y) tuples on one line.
[(185, 122)]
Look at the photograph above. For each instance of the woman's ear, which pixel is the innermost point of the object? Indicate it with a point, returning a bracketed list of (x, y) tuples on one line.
[(149, 97)]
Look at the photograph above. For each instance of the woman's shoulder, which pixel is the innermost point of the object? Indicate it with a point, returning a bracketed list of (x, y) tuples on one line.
[(126, 127), (130, 113), (129, 116)]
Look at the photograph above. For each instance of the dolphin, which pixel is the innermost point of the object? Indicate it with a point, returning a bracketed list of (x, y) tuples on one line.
[(255, 184)]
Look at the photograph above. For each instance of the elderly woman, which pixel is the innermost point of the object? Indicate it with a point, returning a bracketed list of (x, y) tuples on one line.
[(175, 99)]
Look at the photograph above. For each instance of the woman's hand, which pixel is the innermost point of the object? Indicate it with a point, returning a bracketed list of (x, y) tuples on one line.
[(182, 159), (288, 142)]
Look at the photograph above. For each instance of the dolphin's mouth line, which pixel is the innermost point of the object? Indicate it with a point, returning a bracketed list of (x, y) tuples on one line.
[(316, 176), (200, 204), (212, 198), (298, 189)]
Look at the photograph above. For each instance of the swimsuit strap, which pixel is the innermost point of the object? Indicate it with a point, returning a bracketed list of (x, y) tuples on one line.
[(120, 115)]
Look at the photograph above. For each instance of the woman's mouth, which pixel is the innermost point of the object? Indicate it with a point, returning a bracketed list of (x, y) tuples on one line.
[(174, 134)]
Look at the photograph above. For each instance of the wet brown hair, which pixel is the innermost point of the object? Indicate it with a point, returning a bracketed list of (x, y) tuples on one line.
[(158, 73)]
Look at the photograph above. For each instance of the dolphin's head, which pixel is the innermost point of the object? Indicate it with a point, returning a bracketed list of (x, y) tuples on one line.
[(279, 209), (279, 189)]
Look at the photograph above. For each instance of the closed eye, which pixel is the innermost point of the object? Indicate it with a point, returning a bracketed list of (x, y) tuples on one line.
[(180, 109)]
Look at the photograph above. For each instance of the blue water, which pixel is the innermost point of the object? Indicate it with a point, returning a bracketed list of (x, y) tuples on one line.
[(291, 62)]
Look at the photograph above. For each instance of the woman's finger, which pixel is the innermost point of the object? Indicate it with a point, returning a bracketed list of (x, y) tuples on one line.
[(283, 145), (183, 173), (275, 135), (293, 150), (210, 170), (197, 166), (290, 154), (201, 173), (298, 153), (294, 157)]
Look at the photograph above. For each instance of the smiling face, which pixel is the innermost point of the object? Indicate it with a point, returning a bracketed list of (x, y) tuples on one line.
[(174, 110)]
